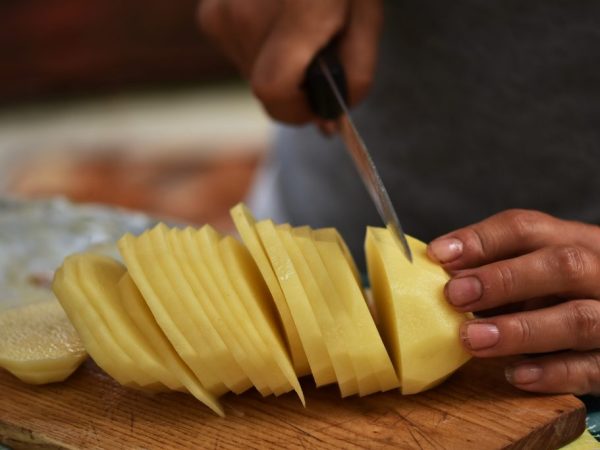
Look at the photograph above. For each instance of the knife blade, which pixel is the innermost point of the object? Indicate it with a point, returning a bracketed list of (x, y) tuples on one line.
[(329, 102)]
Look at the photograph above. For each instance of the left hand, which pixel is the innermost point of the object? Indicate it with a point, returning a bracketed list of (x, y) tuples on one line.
[(530, 258)]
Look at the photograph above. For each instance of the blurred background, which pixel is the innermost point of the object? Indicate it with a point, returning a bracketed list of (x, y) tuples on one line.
[(124, 103)]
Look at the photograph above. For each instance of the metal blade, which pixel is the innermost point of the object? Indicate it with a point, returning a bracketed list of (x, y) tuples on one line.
[(366, 168)]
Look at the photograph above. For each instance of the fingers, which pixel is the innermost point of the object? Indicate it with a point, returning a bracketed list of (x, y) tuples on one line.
[(507, 234), (565, 271), (273, 41), (570, 372), (359, 46), (301, 30), (574, 325), (239, 27)]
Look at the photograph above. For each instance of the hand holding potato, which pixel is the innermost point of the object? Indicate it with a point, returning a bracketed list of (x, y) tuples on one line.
[(527, 256), (272, 42)]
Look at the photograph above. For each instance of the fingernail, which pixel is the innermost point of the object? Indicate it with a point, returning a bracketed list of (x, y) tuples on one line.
[(462, 291), (479, 336), (446, 249), (523, 374)]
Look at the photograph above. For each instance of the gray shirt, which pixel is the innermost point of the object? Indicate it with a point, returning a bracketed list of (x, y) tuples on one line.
[(477, 106)]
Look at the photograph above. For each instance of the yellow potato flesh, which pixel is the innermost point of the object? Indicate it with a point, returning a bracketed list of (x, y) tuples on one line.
[(332, 235), (243, 340), (136, 308), (419, 326), (197, 288), (299, 304), (245, 224), (99, 277), (357, 348), (255, 296), (96, 338), (329, 313), (377, 372), (38, 344), (171, 314)]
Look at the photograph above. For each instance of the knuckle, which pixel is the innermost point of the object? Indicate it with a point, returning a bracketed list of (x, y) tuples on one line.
[(506, 276), (572, 377), (592, 377), (571, 262), (584, 319), (523, 222), (478, 243), (524, 331), (266, 90)]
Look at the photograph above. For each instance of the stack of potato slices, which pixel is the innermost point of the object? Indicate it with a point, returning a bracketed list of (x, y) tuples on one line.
[(192, 310)]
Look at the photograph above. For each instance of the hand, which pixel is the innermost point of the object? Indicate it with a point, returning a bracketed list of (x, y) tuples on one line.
[(519, 256), (272, 42)]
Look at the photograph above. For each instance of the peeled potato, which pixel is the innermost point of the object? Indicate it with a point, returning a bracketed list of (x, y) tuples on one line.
[(197, 289), (245, 224), (38, 344), (195, 311), (374, 368), (256, 298), (298, 303), (419, 327), (170, 302), (328, 312), (136, 308)]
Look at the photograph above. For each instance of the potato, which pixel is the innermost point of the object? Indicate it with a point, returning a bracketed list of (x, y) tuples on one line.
[(196, 311)]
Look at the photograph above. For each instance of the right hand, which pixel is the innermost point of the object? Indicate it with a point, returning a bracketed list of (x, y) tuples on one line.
[(272, 42)]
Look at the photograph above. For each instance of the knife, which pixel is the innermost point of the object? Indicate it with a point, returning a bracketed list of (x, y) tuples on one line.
[(327, 93)]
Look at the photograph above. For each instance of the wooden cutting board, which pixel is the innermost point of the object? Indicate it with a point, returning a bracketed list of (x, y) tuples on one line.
[(475, 409)]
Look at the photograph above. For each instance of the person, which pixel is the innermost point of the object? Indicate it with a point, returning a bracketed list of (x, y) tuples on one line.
[(484, 119)]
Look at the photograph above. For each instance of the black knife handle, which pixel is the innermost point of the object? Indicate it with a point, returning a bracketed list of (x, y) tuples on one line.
[(320, 97)]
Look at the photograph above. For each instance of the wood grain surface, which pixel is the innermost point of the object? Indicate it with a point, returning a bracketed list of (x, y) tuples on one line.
[(475, 409)]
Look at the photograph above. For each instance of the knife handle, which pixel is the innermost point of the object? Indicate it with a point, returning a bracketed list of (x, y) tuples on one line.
[(321, 98)]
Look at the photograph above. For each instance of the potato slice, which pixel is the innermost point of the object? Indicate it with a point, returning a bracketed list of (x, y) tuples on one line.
[(329, 313), (245, 224), (100, 276), (255, 296), (331, 234), (96, 338), (420, 328), (145, 265), (193, 285), (298, 303), (339, 265), (138, 311), (234, 325), (38, 344), (357, 346)]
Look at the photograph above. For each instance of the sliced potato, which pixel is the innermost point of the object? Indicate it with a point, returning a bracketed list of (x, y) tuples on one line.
[(100, 276), (254, 294), (197, 286), (329, 315), (420, 328), (144, 264), (95, 336), (370, 346), (243, 340), (357, 347), (138, 311), (299, 305), (38, 344), (245, 224)]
